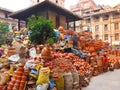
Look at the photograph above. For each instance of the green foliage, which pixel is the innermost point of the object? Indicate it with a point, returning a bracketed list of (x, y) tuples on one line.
[(4, 29), (41, 29), (50, 41)]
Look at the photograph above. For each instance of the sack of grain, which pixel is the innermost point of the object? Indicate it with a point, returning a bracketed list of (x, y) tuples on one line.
[(68, 81), (59, 83), (76, 85)]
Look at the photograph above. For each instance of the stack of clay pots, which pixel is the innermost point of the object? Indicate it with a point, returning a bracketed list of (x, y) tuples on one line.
[(18, 81), (11, 51)]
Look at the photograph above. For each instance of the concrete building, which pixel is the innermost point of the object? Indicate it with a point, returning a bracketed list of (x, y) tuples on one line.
[(80, 8), (104, 23), (4, 17), (58, 2)]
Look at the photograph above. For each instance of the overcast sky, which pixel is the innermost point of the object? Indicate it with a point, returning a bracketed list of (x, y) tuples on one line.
[(20, 4)]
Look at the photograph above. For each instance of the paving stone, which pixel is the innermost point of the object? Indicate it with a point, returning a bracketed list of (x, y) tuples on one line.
[(106, 81)]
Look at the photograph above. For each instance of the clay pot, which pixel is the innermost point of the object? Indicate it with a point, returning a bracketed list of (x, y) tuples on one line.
[(21, 86), (24, 78), (12, 52), (13, 80), (11, 48), (26, 71), (15, 88), (17, 85), (46, 51), (11, 84), (95, 73), (20, 69), (19, 73), (9, 88), (22, 82), (15, 76), (18, 82), (91, 49)]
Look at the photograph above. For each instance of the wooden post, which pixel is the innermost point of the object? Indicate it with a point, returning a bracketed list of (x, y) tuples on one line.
[(26, 22), (18, 24), (74, 26), (68, 25), (47, 15), (67, 22)]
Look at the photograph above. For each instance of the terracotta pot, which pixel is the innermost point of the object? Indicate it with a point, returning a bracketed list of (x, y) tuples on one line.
[(19, 78), (15, 88), (46, 51), (17, 85), (15, 76), (11, 85), (1, 87), (20, 69), (26, 71), (11, 48), (22, 82), (24, 78), (18, 82), (9, 88), (11, 52), (19, 73), (91, 49), (22, 86), (13, 80)]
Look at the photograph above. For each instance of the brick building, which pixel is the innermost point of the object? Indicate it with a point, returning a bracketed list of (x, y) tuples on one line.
[(83, 6), (80, 8), (104, 23), (4, 17)]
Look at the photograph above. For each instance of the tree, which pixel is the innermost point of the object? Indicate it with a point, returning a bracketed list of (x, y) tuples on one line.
[(41, 29), (4, 29)]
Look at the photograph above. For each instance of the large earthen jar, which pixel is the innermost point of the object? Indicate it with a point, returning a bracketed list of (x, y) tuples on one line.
[(99, 61), (46, 53)]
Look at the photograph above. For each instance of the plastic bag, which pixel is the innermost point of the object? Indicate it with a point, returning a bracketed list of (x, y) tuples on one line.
[(30, 64), (4, 78), (43, 76), (14, 58), (42, 87), (32, 52), (59, 83), (52, 83)]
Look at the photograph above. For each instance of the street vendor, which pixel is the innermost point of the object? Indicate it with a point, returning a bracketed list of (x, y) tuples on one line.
[(105, 59)]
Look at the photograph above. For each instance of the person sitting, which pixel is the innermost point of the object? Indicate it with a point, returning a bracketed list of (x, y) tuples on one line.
[(78, 53)]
